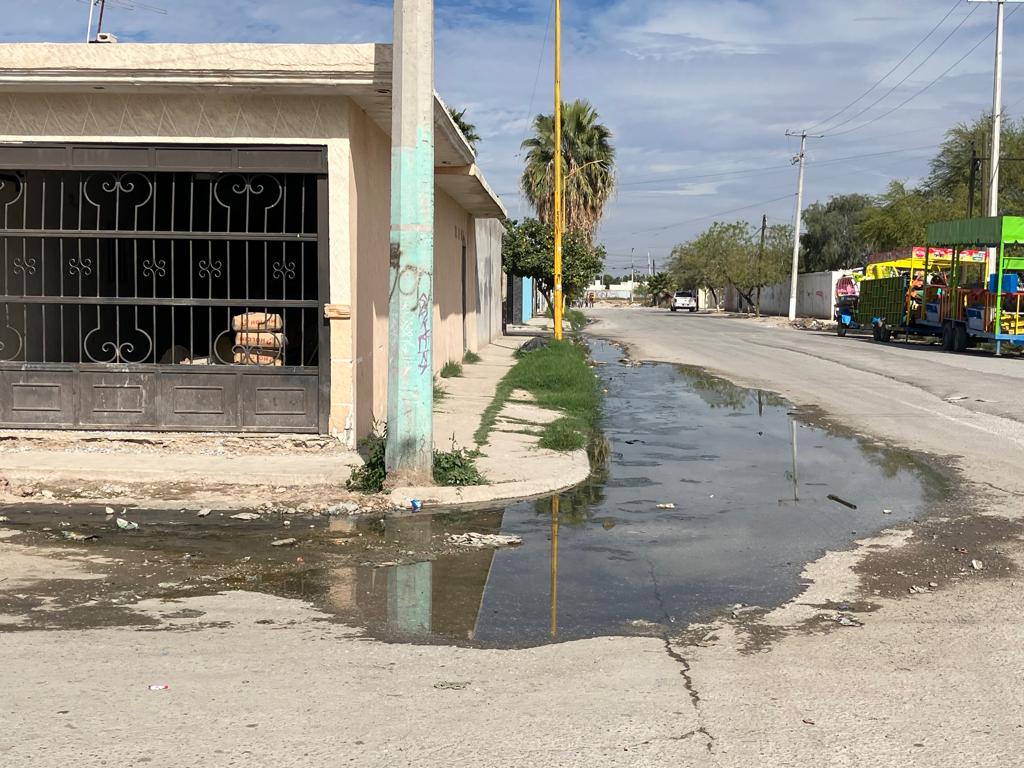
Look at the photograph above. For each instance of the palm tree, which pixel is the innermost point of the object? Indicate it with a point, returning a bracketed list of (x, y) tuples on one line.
[(468, 129), (588, 167)]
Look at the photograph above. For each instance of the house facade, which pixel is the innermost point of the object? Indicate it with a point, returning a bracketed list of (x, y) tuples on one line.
[(196, 237)]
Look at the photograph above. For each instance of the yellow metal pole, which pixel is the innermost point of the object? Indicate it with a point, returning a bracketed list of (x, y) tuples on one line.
[(558, 224)]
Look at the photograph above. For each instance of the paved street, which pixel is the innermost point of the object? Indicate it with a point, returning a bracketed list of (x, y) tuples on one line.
[(924, 672), (969, 407)]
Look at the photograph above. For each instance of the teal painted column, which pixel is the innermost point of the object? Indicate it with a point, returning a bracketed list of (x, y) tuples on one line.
[(411, 299)]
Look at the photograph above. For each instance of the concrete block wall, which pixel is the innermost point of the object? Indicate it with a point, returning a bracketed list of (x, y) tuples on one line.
[(815, 296)]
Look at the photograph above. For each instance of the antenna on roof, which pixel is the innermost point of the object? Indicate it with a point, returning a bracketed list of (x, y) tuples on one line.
[(125, 5)]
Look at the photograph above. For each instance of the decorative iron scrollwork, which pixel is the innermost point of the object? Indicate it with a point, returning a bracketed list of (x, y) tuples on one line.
[(12, 187), (210, 268), (9, 351), (283, 269), (131, 186), (155, 267), (261, 189), (117, 351), (24, 265), (81, 266)]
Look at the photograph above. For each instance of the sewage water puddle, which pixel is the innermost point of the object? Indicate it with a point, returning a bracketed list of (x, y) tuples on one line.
[(707, 495)]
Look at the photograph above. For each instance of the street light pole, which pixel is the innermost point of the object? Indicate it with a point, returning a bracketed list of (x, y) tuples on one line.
[(558, 207)]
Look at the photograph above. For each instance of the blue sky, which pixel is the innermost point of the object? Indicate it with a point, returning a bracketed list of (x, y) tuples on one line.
[(698, 93)]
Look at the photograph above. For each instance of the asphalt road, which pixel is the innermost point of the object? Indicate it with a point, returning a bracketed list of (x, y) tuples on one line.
[(968, 407)]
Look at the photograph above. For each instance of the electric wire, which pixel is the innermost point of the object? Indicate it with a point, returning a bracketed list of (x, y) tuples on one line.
[(829, 130), (909, 99), (898, 64)]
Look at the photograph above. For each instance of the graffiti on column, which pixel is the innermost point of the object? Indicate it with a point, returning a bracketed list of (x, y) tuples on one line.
[(423, 306)]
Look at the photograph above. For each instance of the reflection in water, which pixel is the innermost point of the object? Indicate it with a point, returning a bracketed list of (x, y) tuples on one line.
[(440, 596), (749, 509), (555, 501)]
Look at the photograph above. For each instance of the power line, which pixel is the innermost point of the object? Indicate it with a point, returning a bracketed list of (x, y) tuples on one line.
[(899, 64), (904, 103), (748, 173), (712, 215), (536, 81), (888, 93)]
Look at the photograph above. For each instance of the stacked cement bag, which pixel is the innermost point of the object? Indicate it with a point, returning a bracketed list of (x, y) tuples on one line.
[(259, 339)]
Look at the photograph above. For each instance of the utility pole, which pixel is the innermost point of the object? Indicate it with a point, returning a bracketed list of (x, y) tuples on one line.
[(760, 256), (632, 274), (801, 160), (997, 121), (410, 442), (972, 182), (559, 199)]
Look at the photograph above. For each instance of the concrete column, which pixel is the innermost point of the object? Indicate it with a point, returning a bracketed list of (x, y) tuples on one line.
[(410, 326)]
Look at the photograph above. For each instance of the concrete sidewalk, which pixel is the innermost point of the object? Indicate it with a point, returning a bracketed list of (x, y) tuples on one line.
[(511, 461)]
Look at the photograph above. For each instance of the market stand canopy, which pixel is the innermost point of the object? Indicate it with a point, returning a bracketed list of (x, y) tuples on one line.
[(984, 232)]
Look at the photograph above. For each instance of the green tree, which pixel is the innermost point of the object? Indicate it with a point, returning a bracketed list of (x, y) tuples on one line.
[(528, 248), (902, 214), (588, 166), (659, 287), (468, 129), (729, 254), (951, 166), (832, 239)]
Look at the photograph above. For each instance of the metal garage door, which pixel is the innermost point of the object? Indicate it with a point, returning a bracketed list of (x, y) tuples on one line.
[(176, 288)]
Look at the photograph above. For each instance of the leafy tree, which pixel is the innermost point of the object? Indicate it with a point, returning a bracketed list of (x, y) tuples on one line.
[(528, 249), (730, 254), (902, 214), (468, 129), (588, 166), (951, 167), (832, 239)]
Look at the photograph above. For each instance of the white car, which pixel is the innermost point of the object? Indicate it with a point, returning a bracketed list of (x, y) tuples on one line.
[(684, 300)]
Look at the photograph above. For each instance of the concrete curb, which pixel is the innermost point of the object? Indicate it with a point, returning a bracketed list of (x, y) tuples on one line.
[(485, 496)]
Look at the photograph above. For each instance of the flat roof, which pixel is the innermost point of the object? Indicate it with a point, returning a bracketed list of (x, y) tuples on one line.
[(362, 72)]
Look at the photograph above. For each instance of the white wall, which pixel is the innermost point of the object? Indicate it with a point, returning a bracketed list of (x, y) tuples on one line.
[(815, 296)]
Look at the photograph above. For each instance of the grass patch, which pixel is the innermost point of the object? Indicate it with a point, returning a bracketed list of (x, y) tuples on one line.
[(575, 318), (456, 467), (440, 393), (558, 376), (471, 358), (562, 435), (451, 370)]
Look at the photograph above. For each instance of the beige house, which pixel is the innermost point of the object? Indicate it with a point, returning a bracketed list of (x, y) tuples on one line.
[(196, 237)]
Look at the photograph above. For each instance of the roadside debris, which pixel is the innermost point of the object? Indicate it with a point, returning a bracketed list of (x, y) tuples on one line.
[(159, 687), (4, 519), (72, 536), (203, 512), (668, 505), (886, 511), (451, 685), (977, 565), (844, 502), (283, 542), (483, 540), (739, 609), (415, 505), (108, 510), (127, 525), (245, 516), (956, 398)]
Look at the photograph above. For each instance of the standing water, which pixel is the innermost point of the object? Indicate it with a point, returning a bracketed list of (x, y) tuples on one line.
[(710, 495)]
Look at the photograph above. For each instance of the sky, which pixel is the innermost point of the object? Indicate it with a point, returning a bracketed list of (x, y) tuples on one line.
[(699, 94)]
